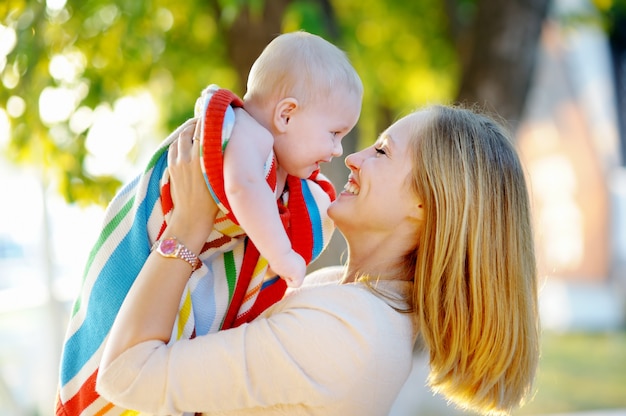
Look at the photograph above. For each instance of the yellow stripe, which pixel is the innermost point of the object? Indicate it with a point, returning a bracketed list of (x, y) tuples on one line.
[(260, 265), (183, 314), (231, 230)]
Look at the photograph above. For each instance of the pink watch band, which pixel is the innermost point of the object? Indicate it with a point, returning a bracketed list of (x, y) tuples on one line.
[(172, 248)]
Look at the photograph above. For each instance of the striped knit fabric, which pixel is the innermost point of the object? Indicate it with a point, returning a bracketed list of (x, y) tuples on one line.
[(230, 287), (221, 122)]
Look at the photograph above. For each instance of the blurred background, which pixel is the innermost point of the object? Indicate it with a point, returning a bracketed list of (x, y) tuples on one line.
[(89, 88)]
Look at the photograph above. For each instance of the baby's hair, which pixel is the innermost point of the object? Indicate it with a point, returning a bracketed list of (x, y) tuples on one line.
[(303, 66), (475, 288)]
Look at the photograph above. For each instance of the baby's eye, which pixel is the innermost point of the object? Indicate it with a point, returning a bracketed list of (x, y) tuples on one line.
[(380, 151)]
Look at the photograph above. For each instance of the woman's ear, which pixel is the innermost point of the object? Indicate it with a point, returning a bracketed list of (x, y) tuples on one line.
[(419, 213), (283, 112)]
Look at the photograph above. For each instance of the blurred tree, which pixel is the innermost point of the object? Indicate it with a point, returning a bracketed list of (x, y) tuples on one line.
[(64, 64), (609, 16), (615, 21), (497, 45), (250, 29), (71, 60)]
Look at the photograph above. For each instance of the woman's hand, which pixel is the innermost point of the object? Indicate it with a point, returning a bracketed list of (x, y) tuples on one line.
[(194, 208)]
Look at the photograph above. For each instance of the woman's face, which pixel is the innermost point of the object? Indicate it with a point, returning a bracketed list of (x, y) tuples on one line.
[(378, 196)]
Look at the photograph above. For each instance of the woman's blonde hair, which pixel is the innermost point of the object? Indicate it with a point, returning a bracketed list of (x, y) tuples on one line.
[(475, 288), (303, 66)]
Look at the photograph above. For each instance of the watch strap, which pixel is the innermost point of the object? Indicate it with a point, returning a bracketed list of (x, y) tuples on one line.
[(171, 247)]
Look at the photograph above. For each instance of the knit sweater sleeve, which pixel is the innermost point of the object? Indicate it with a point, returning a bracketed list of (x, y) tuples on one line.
[(316, 347)]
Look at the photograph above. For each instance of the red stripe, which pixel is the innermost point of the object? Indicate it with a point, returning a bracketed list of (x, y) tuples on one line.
[(166, 198), (81, 400), (250, 259), (271, 176), (212, 144), (268, 296), (298, 224), (300, 228), (326, 186)]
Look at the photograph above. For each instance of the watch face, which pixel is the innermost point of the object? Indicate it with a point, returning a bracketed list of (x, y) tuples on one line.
[(168, 246)]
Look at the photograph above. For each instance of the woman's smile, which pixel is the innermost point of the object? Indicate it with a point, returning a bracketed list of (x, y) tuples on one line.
[(351, 186)]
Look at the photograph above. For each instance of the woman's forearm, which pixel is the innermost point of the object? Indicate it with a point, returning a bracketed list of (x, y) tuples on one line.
[(150, 307)]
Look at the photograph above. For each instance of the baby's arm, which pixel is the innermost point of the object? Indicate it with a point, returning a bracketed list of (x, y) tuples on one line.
[(252, 200)]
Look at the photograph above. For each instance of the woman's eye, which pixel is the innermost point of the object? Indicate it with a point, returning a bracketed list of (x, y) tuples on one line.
[(380, 150)]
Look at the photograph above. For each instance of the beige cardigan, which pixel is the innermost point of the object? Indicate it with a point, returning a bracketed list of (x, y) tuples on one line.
[(325, 349)]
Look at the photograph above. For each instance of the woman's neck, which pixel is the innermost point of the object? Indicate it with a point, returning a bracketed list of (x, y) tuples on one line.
[(376, 260), (378, 253)]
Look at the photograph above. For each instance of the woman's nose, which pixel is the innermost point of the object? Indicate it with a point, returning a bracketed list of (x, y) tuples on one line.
[(353, 160)]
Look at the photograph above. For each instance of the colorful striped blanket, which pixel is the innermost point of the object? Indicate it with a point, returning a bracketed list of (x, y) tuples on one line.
[(230, 288)]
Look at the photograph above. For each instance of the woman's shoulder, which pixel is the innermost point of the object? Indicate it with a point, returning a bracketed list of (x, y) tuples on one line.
[(330, 274), (324, 292)]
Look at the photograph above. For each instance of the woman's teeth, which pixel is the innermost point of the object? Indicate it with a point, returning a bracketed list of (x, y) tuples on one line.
[(351, 188)]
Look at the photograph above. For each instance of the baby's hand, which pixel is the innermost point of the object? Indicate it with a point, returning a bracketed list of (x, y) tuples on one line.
[(291, 268)]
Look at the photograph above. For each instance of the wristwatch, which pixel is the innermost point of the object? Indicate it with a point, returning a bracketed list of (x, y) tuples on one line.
[(171, 247)]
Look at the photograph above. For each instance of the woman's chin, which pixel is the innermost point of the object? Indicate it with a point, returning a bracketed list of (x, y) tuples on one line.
[(339, 208)]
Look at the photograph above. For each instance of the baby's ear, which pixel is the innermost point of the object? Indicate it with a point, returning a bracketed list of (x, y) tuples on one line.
[(283, 112)]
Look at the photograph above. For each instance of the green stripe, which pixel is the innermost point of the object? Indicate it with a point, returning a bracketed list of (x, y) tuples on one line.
[(104, 235), (155, 158), (231, 273)]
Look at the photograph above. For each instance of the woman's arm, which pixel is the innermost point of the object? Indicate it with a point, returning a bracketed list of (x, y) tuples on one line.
[(150, 308), (324, 347)]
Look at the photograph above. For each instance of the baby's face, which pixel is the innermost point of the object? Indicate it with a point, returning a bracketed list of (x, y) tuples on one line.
[(315, 132)]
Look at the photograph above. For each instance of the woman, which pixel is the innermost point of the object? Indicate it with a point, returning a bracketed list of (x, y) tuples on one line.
[(437, 223)]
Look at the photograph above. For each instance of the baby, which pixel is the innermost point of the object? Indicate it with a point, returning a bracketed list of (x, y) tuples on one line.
[(305, 97)]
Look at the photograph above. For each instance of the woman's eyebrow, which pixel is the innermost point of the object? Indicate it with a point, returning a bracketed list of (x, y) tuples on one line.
[(387, 140), (381, 138)]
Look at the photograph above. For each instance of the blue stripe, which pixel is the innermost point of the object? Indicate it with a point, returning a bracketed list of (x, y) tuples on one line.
[(203, 302), (112, 284), (316, 220), (269, 282)]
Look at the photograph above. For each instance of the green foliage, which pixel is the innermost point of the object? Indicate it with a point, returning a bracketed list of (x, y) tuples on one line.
[(612, 15), (401, 49), (173, 49), (580, 372)]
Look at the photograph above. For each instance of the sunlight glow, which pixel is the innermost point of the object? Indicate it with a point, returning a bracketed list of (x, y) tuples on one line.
[(109, 141), (10, 77), (117, 133), (56, 104), (55, 4), (22, 220), (560, 217), (81, 120), (67, 67), (16, 106), (5, 128), (8, 40)]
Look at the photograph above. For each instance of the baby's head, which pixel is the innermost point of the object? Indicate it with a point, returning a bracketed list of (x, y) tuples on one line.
[(303, 66), (307, 93)]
